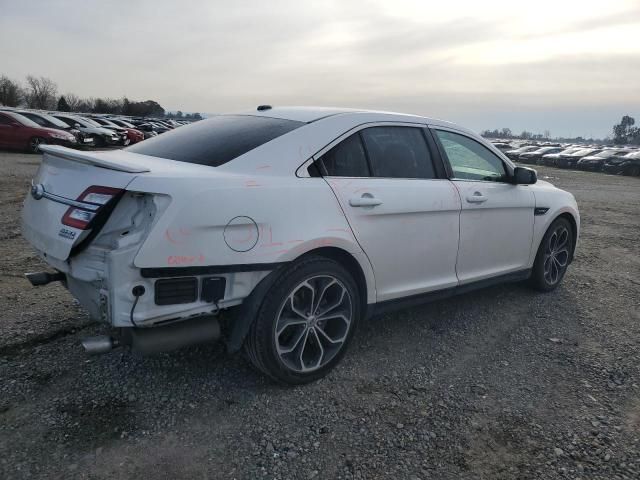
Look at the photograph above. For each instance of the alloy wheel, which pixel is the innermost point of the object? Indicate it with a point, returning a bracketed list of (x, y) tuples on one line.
[(313, 323), (556, 255), (34, 144)]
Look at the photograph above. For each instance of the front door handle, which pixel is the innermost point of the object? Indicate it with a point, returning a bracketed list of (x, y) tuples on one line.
[(477, 197), (366, 200)]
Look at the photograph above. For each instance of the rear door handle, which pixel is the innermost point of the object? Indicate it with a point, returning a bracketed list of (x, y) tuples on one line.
[(366, 200), (477, 197)]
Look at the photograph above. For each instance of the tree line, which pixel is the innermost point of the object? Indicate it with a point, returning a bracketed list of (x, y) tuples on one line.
[(41, 93), (507, 133), (624, 133)]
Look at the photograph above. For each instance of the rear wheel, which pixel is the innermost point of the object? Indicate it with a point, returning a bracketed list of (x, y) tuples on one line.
[(553, 256), (305, 322), (34, 144)]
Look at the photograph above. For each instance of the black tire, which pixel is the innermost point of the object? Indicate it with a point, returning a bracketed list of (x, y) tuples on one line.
[(98, 141), (548, 257), (261, 344), (34, 144)]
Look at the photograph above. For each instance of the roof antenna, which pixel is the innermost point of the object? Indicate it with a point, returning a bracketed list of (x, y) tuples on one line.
[(262, 108)]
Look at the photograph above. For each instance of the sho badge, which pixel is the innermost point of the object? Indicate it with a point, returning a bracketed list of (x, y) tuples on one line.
[(66, 233)]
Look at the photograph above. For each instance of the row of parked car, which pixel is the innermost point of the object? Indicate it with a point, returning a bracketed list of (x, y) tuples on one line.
[(595, 158), (22, 129)]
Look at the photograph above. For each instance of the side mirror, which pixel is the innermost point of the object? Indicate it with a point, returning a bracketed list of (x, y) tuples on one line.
[(77, 125), (524, 176)]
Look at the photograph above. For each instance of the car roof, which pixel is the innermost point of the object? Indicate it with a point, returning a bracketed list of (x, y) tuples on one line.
[(312, 114)]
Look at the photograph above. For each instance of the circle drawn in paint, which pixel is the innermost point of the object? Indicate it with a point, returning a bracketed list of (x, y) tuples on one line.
[(241, 234)]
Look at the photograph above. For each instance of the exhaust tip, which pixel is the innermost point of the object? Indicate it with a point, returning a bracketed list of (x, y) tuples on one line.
[(99, 344), (43, 278)]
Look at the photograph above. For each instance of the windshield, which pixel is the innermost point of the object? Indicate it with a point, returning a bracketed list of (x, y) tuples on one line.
[(606, 153), (71, 121), (105, 122), (585, 151), (91, 123), (23, 120), (122, 123), (217, 140), (44, 119)]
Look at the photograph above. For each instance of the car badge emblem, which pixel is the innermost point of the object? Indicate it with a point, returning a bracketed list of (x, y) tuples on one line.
[(37, 191)]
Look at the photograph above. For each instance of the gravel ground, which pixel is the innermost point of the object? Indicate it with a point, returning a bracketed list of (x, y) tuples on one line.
[(500, 383)]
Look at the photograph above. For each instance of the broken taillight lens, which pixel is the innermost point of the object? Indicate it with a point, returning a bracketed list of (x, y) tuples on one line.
[(91, 201)]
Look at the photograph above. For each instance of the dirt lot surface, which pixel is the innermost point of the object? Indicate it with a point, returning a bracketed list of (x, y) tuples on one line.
[(501, 383)]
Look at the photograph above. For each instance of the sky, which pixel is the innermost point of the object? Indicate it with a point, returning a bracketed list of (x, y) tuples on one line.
[(568, 66)]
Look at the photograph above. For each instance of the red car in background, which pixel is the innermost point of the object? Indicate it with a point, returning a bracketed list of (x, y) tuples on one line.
[(20, 133), (132, 135)]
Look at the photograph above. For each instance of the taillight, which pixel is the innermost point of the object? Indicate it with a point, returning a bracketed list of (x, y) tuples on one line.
[(90, 202)]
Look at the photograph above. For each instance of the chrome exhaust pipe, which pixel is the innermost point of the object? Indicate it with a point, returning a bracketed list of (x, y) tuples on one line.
[(43, 278), (152, 340), (99, 344)]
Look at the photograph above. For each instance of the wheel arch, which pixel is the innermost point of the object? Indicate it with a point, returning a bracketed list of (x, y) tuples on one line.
[(245, 314), (348, 261), (573, 222), (574, 230)]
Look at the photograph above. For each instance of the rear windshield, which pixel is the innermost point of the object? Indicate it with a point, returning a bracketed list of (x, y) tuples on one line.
[(215, 141)]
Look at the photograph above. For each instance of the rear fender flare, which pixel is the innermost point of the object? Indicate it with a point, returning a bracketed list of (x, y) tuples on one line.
[(246, 313)]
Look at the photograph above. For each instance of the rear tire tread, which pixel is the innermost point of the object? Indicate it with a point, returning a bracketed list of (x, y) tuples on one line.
[(254, 346)]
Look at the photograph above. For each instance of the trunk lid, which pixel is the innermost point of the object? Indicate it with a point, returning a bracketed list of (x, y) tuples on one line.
[(59, 183)]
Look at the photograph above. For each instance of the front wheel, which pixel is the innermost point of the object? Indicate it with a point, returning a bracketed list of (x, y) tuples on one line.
[(305, 322), (34, 144), (553, 256)]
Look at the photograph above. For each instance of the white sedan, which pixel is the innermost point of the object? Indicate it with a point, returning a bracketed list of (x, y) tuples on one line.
[(295, 224)]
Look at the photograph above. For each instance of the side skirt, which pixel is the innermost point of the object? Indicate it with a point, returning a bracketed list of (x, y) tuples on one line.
[(420, 299)]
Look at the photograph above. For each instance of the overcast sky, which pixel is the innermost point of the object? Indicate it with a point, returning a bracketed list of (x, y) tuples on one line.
[(570, 66)]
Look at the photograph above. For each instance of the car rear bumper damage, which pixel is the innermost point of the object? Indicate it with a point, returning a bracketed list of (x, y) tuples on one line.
[(165, 309)]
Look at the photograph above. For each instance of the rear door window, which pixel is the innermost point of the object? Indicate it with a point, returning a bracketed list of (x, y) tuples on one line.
[(347, 159), (398, 152), (215, 141)]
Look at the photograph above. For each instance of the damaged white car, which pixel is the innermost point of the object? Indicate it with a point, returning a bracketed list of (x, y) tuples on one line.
[(295, 223)]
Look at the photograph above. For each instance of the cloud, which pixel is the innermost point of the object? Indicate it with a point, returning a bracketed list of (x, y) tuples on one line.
[(453, 59)]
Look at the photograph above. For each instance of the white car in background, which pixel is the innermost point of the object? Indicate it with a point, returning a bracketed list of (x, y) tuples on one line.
[(296, 223)]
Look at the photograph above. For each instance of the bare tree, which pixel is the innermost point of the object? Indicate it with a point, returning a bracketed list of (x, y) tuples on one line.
[(87, 105), (73, 101), (10, 92), (41, 92)]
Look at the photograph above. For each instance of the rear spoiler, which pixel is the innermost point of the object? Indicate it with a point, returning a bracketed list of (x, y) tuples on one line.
[(95, 158)]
